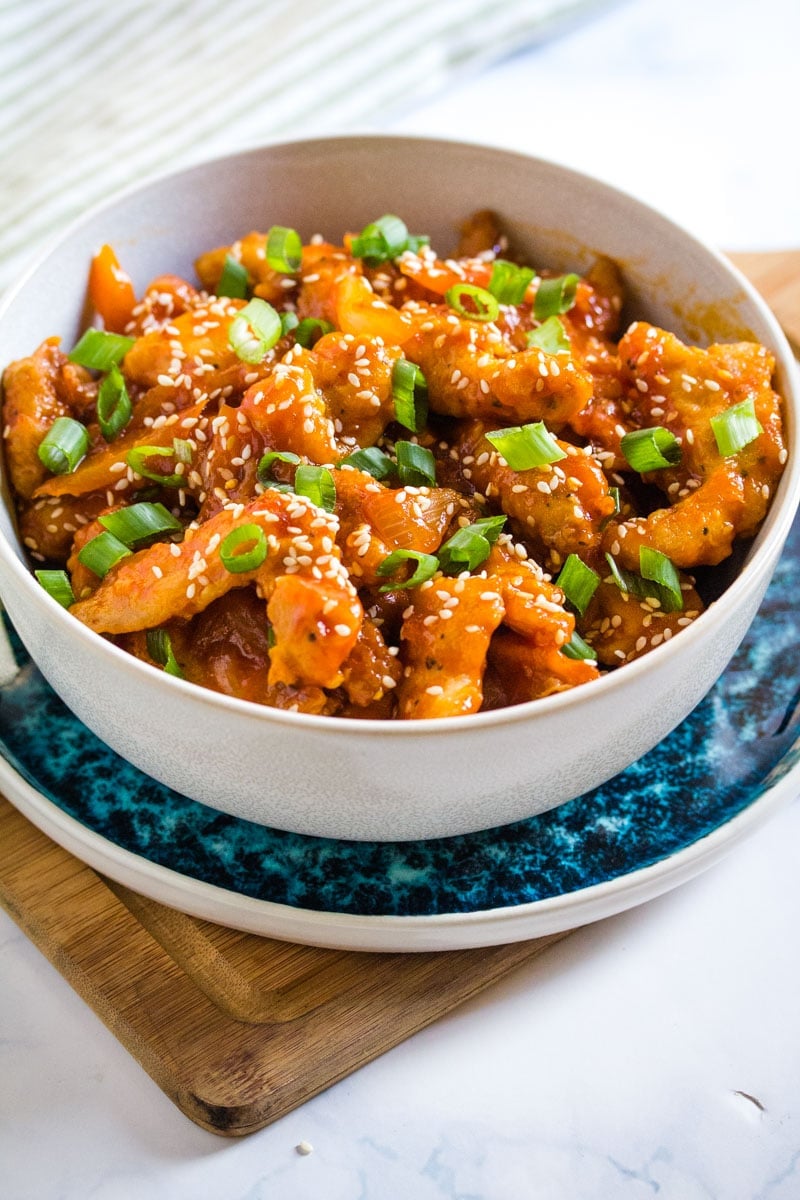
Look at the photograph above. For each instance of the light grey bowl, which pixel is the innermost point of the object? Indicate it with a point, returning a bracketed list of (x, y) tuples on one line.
[(403, 780)]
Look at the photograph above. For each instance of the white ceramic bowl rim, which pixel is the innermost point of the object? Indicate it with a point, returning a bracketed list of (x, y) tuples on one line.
[(775, 527)]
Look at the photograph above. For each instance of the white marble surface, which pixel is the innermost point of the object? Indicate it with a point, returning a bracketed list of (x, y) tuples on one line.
[(622, 1062)]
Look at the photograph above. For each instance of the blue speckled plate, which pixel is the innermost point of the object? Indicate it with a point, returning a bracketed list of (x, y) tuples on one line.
[(661, 821)]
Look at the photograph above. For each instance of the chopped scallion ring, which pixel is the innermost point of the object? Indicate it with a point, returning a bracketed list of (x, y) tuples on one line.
[(289, 321), (410, 394), (137, 459), (114, 408), (316, 484), (264, 469), (578, 582), (310, 330), (139, 522), (183, 450), (57, 585), (668, 597), (64, 446), (244, 549), (234, 280), (100, 350), (509, 283), (550, 336), (554, 296), (159, 647), (416, 466), (651, 449), (427, 566), (102, 553), (371, 460), (473, 302), (737, 427), (526, 446), (657, 568), (470, 546), (381, 240), (254, 331), (284, 250), (576, 647)]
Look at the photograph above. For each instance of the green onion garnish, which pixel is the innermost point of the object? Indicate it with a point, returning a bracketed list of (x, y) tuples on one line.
[(651, 449), (550, 336), (526, 446), (316, 484), (416, 466), (668, 595), (64, 446), (100, 350), (234, 280), (244, 549), (137, 461), (509, 283), (372, 460), (159, 647), (183, 449), (254, 330), (473, 302), (381, 240), (284, 250), (576, 647), (289, 321), (578, 582), (554, 296), (470, 546), (57, 585), (139, 522), (737, 427), (657, 568), (427, 565), (310, 330), (264, 468), (113, 404), (102, 553), (410, 394)]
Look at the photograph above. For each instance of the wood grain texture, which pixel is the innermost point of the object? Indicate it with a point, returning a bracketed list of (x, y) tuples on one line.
[(237, 1029)]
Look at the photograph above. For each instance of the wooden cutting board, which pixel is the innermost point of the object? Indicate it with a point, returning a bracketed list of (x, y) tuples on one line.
[(237, 1029)]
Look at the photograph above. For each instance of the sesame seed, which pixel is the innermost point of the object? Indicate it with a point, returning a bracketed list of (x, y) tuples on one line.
[(434, 690)]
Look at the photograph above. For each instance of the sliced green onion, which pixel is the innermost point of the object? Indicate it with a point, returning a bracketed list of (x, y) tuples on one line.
[(138, 522), (316, 484), (651, 449), (264, 468), (381, 240), (670, 598), (284, 250), (615, 496), (102, 553), (416, 241), (657, 568), (470, 546), (64, 446), (234, 280), (509, 283), (554, 296), (113, 404), (183, 450), (289, 321), (427, 566), (576, 647), (410, 395), (159, 647), (137, 461), (578, 582), (244, 549), (310, 330), (737, 427), (254, 330), (526, 446), (100, 350), (550, 336), (416, 466), (372, 460), (473, 302), (57, 585)]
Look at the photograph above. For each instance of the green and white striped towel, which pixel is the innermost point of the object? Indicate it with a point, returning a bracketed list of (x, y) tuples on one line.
[(94, 96)]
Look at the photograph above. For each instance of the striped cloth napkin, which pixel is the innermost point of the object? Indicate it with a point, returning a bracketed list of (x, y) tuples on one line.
[(94, 96)]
